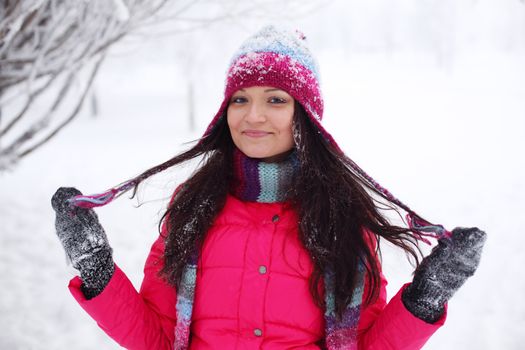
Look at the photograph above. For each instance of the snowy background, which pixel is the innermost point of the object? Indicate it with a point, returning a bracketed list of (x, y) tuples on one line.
[(427, 96)]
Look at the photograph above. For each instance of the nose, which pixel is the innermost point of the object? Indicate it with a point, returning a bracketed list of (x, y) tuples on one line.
[(255, 113)]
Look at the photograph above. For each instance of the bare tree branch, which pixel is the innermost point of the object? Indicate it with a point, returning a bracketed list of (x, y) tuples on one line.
[(43, 41), (72, 115)]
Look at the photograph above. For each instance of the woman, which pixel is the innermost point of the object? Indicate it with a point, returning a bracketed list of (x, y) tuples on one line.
[(273, 243)]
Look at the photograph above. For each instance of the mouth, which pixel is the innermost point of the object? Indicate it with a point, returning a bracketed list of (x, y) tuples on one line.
[(256, 133)]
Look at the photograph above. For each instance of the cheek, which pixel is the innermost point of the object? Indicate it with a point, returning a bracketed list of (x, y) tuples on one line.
[(232, 120), (286, 125), (286, 131), (287, 138)]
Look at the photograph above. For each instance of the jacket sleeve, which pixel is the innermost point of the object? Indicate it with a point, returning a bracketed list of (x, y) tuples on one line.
[(135, 320), (390, 325)]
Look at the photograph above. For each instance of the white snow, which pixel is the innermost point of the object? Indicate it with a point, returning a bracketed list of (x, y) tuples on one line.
[(446, 140)]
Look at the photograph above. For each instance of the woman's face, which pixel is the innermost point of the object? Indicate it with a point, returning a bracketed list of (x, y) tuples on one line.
[(260, 121)]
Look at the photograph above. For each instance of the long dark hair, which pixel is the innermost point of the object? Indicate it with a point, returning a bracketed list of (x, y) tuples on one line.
[(335, 204)]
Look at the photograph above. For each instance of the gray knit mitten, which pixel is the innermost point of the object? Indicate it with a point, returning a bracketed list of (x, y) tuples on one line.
[(84, 241), (443, 272)]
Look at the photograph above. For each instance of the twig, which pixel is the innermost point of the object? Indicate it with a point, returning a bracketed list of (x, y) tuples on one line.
[(72, 114)]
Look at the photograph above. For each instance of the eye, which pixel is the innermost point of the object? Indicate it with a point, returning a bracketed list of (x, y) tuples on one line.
[(238, 99), (277, 100)]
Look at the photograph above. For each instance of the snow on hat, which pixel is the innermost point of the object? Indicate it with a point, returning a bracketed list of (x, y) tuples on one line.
[(278, 58)]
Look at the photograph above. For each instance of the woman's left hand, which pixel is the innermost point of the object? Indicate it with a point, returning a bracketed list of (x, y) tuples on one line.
[(443, 272)]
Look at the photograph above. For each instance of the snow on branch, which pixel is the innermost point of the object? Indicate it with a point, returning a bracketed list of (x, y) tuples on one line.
[(48, 44)]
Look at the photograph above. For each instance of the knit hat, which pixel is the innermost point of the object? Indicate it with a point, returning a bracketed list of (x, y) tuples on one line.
[(278, 58)]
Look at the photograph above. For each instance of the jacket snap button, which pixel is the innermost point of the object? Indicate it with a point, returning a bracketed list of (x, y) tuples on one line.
[(262, 269), (275, 218), (257, 332)]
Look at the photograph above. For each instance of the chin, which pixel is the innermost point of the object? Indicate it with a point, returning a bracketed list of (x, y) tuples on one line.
[(267, 156), (257, 154)]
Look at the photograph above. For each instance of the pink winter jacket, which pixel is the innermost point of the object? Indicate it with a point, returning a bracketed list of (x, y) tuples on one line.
[(252, 293)]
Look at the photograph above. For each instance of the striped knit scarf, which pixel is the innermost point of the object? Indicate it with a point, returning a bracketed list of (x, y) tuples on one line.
[(258, 181)]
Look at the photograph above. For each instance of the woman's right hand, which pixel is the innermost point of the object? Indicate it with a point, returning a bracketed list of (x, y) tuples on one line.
[(84, 241)]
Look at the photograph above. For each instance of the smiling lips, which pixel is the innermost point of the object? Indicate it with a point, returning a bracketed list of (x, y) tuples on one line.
[(255, 133)]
